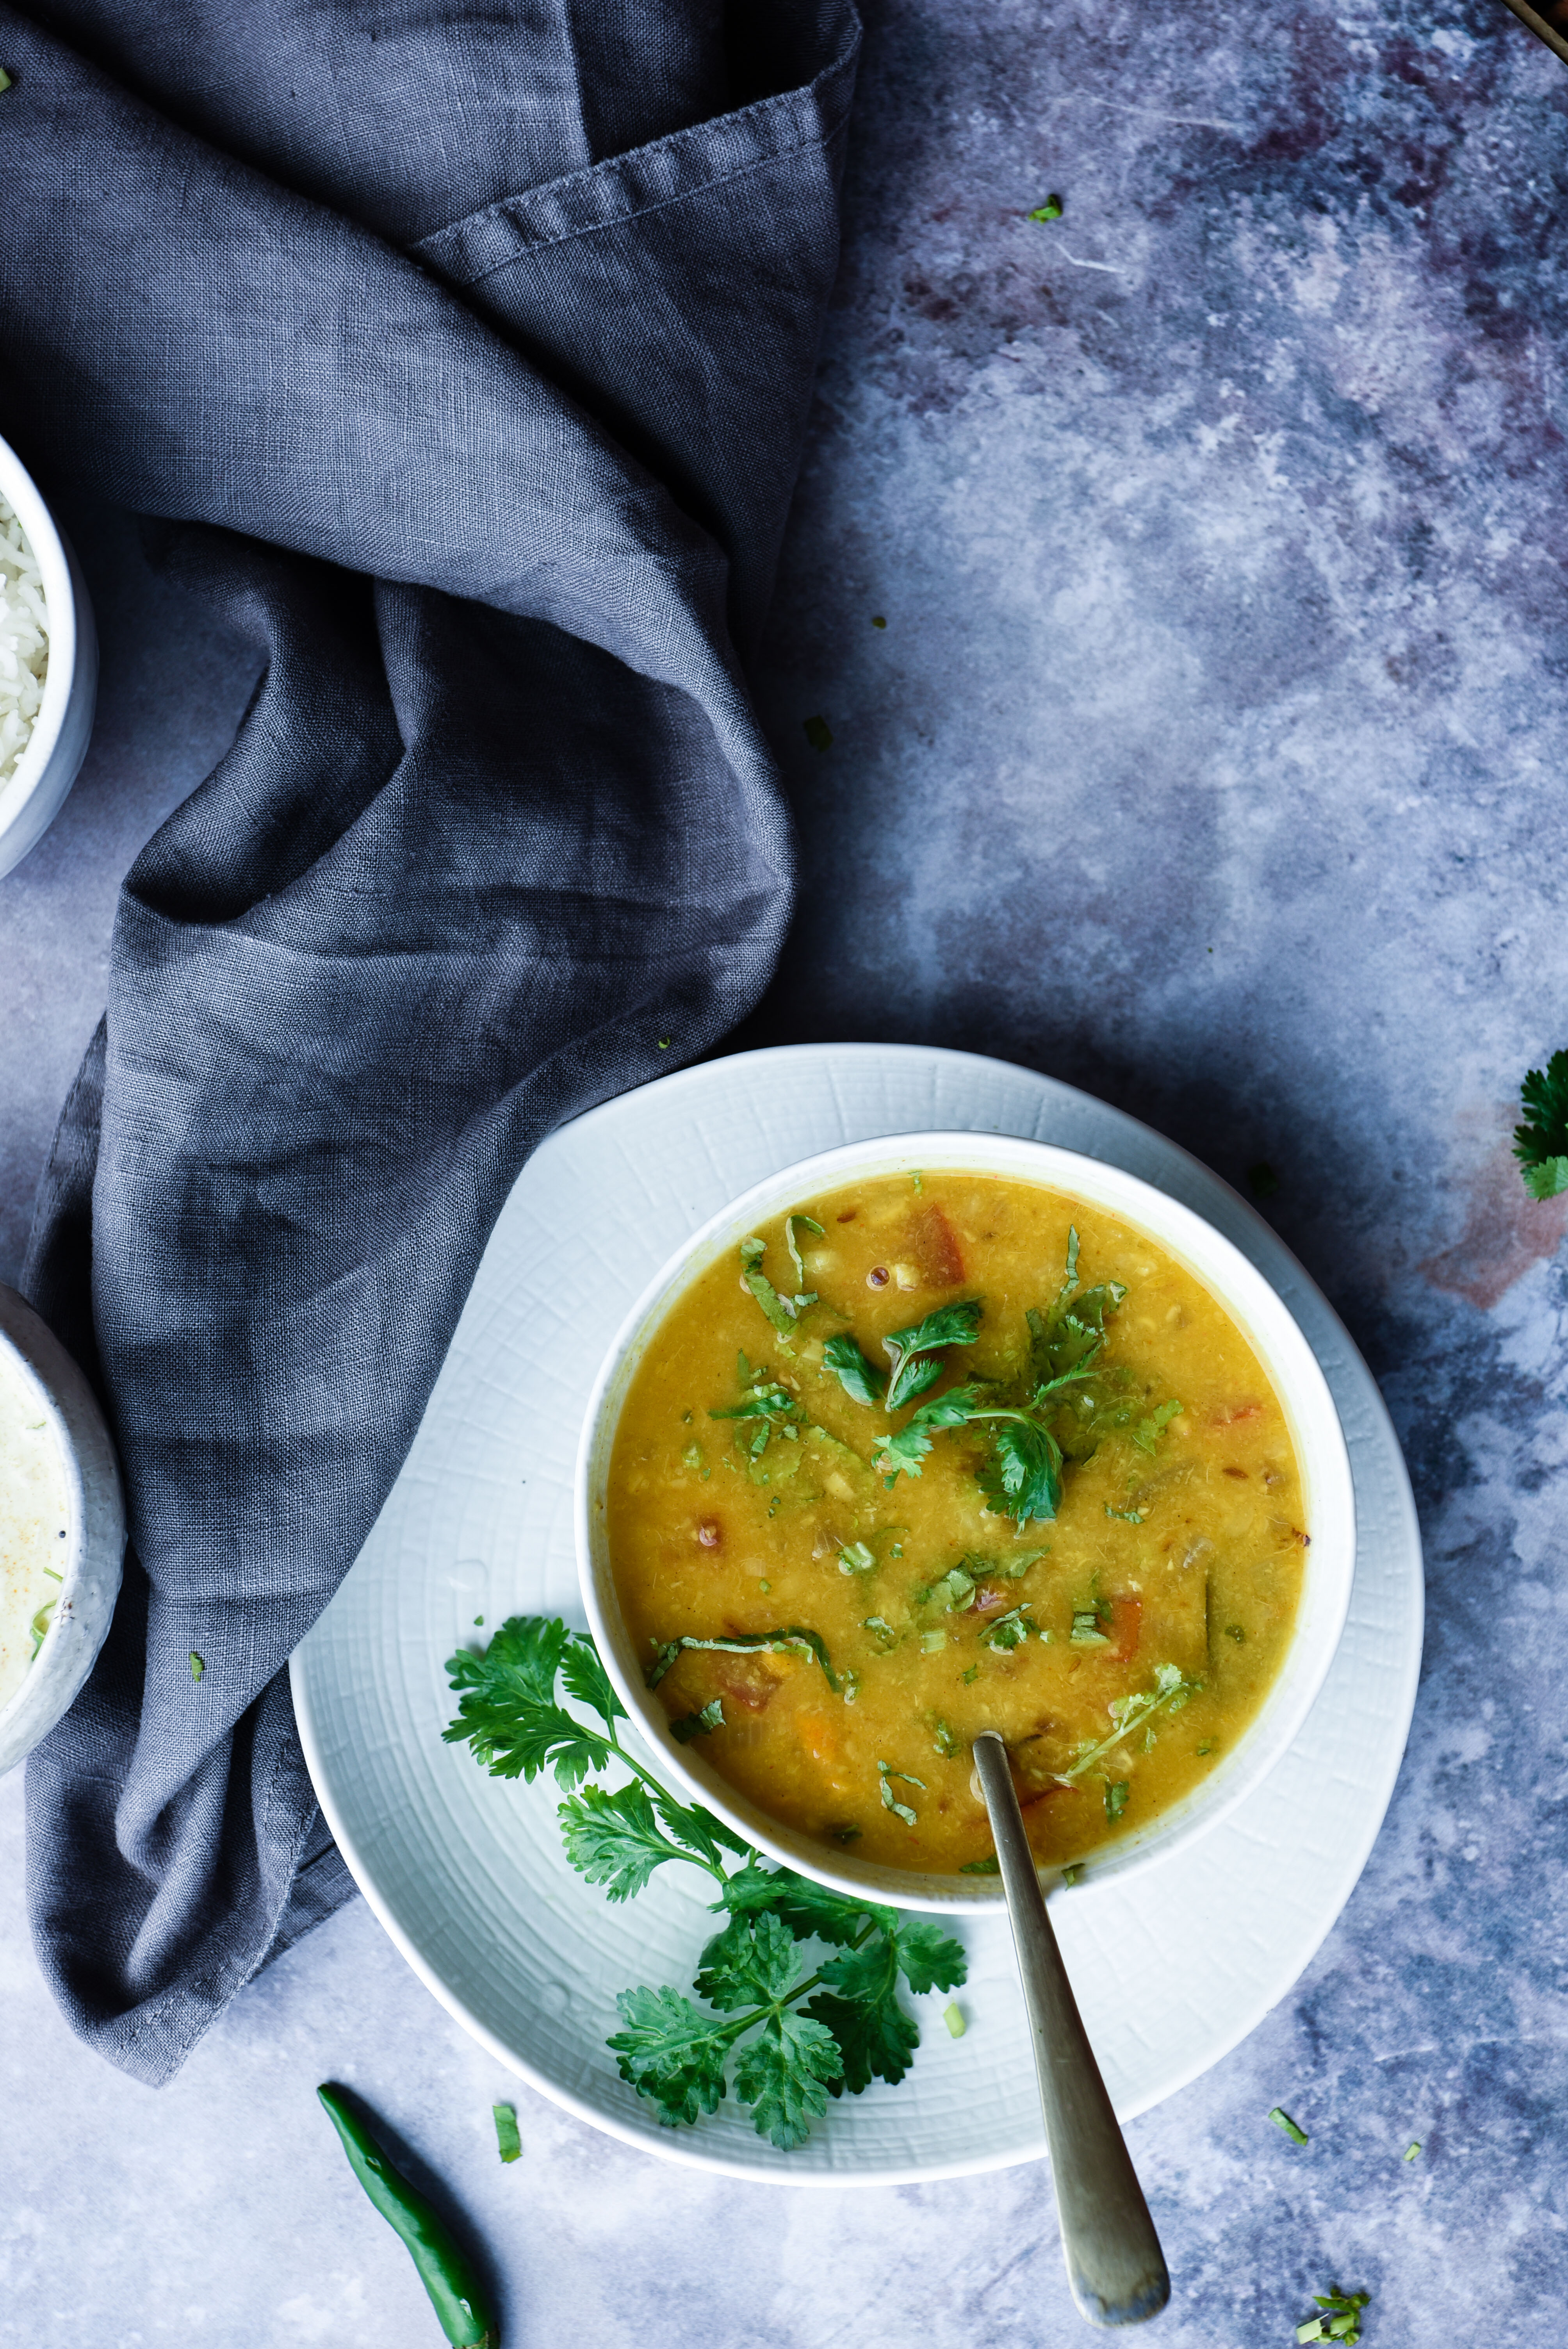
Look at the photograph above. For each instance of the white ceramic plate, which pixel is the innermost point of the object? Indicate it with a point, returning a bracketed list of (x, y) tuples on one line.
[(1173, 1965)]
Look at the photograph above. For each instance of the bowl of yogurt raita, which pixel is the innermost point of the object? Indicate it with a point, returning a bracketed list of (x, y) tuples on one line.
[(62, 1530)]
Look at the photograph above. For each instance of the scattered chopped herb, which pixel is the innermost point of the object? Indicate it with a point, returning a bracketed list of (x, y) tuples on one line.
[(1088, 1631), (899, 1810), (1234, 1632), (1540, 1143), (1127, 1516), (811, 1225), (943, 1740), (197, 1666), (1341, 2319), (933, 1642), (860, 1379), (785, 2031), (38, 1628), (508, 2145), (919, 1182), (698, 1725), (1008, 1631), (989, 1866), (1117, 1791), (1282, 2119), (915, 1352), (878, 621), (479, 1622), (817, 732), (1262, 1180), (851, 1686), (1412, 2150), (857, 1557), (5, 79), (798, 1639), (954, 1591), (663, 1043), (882, 1630), (971, 1676), (1051, 210), (1207, 1746), (1171, 1691), (1072, 1874), (1147, 1432), (780, 1311), (953, 2015), (692, 1457)]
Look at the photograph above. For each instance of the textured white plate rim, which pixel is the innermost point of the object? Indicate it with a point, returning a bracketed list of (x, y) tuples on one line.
[(689, 2151), (21, 493)]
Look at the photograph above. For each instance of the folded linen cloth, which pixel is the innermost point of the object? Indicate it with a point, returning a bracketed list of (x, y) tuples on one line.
[(471, 351)]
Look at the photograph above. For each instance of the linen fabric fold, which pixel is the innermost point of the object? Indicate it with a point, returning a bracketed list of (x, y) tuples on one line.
[(465, 362)]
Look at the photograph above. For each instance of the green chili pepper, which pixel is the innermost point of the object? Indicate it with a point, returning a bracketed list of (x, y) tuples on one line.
[(445, 2270)]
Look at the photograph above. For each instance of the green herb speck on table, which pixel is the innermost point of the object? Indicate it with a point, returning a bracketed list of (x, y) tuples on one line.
[(509, 2144), (1340, 2320), (1293, 2129), (1540, 1143), (785, 2023)]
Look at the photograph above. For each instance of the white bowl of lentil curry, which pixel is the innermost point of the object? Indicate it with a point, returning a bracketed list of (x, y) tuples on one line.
[(956, 1431)]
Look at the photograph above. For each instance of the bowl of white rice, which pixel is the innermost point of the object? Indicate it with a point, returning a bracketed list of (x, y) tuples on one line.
[(48, 663)]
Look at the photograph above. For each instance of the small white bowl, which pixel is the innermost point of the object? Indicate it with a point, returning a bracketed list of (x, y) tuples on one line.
[(94, 1550), (32, 796), (1270, 1329)]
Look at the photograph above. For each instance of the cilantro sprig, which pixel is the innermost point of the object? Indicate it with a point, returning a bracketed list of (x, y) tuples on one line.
[(1540, 1144), (1341, 2319), (796, 1996)]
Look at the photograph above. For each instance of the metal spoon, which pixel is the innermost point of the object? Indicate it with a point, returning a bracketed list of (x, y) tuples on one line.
[(1115, 2265)]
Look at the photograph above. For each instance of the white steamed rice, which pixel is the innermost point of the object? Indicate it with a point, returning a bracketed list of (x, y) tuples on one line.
[(24, 641)]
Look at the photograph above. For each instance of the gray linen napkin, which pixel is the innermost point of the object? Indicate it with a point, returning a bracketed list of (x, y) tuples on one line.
[(471, 351)]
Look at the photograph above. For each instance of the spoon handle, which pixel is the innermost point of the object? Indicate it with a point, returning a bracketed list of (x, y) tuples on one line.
[(1115, 2265)]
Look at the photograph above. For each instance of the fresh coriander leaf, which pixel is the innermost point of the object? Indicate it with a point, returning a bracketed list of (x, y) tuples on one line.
[(942, 1741), (507, 1710), (1127, 1516), (43, 1614), (805, 1906), (1282, 2119), (1540, 1143), (928, 1958), (1026, 1478), (754, 1961), (949, 1325), (989, 1866), (508, 2145), (1171, 1691), (808, 1223), (890, 1803), (906, 1450), (798, 1639), (613, 1839), (698, 1725), (701, 1834), (876, 2037), (1087, 1631), (1117, 1791), (784, 2075), (881, 1632), (952, 1592), (777, 1309), (671, 2053), (1072, 1874), (817, 732), (1010, 1631), (1051, 210), (861, 1379), (584, 1677), (857, 1557), (1147, 1432), (953, 2015), (971, 1676)]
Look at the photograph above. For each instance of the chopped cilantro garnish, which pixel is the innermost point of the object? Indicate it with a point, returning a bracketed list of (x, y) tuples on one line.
[(798, 1639), (698, 1725), (953, 2015), (914, 1353), (1540, 1143), (971, 1676), (5, 79), (1051, 210), (1234, 1632), (943, 1740), (1088, 1631), (878, 621), (1127, 1516), (1171, 1691), (197, 1666), (1412, 2150), (780, 1311), (1282, 2119), (861, 1379), (1147, 1432), (1072, 1874), (817, 732), (857, 1557), (782, 2028), (899, 1810), (508, 2145), (1117, 1791), (1341, 2320), (1008, 1631), (989, 1866)]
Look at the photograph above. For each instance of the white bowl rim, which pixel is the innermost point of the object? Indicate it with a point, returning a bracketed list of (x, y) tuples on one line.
[(95, 1530), (1303, 1395), (23, 495)]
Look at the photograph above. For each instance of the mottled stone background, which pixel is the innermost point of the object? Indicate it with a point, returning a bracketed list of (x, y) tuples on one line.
[(1208, 758)]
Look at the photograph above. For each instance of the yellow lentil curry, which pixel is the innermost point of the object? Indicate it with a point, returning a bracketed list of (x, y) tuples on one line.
[(953, 1454)]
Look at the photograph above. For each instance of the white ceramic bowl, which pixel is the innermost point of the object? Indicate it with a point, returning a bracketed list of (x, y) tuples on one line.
[(96, 1548), (31, 798), (1270, 1329)]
